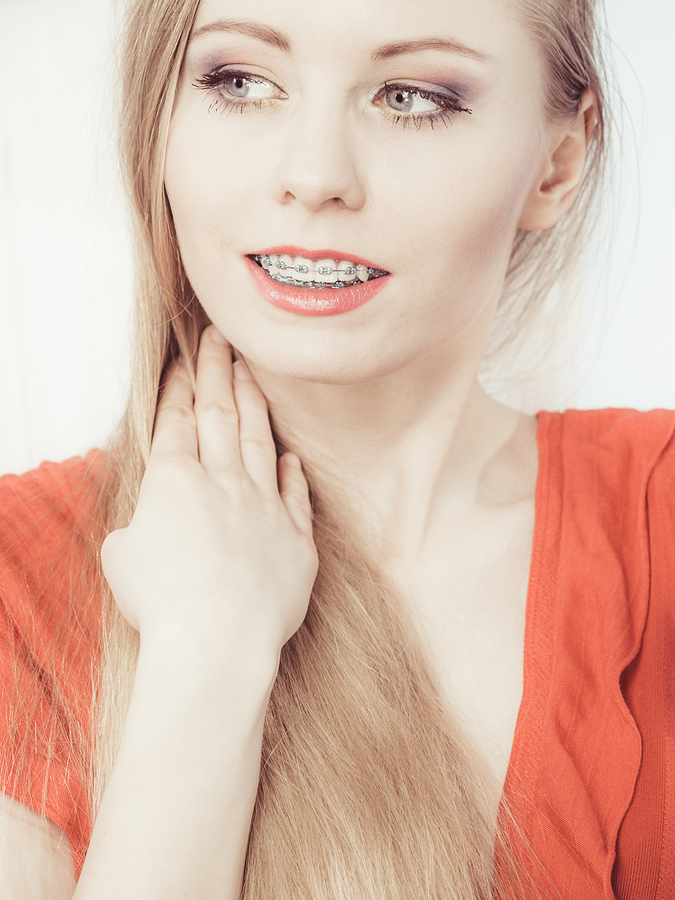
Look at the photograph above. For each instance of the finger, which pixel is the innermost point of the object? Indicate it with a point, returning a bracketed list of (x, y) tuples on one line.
[(294, 492), (175, 425), (256, 443), (215, 409)]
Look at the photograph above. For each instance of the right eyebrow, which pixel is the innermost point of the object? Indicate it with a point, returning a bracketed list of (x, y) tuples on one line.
[(252, 29)]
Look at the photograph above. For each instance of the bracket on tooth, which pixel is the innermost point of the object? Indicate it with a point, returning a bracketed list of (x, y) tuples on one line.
[(267, 264)]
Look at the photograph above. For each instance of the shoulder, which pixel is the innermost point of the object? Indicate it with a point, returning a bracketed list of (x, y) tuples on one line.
[(49, 620), (47, 523), (59, 488), (617, 446), (42, 507), (611, 427)]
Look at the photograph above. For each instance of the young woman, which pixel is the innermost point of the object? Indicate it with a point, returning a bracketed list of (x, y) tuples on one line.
[(270, 642)]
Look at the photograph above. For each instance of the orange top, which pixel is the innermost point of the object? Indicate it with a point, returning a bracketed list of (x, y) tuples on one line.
[(592, 770)]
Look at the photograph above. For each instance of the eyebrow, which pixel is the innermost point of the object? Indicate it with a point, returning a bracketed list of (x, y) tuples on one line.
[(252, 29), (396, 48), (276, 39)]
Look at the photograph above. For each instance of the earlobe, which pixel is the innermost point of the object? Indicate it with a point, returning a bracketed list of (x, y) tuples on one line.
[(558, 182)]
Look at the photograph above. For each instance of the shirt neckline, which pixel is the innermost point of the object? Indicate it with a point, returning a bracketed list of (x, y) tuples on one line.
[(523, 761)]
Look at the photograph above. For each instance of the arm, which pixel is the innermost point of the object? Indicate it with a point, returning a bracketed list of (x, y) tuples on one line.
[(176, 813), (215, 570)]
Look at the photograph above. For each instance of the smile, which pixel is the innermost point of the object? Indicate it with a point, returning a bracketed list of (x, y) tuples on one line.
[(324, 273)]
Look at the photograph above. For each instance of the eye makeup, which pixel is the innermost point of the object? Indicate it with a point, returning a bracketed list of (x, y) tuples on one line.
[(235, 90)]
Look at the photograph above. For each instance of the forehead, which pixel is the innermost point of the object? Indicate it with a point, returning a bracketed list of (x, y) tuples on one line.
[(341, 29)]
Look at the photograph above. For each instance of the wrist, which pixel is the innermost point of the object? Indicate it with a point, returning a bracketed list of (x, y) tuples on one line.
[(215, 664)]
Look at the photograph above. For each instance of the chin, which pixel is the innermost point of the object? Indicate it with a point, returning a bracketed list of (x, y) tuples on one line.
[(321, 367)]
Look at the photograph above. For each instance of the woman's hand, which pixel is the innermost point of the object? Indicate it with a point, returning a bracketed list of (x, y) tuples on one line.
[(220, 547)]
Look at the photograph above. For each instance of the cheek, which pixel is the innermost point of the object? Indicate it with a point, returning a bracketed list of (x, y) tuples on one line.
[(458, 220), (209, 183), (461, 207)]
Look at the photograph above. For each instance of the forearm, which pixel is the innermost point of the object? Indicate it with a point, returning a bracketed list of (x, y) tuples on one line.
[(175, 817)]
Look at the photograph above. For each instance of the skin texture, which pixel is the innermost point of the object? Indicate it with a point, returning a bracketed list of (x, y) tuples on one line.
[(381, 401)]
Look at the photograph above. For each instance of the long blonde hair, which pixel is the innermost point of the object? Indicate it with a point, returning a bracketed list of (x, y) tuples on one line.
[(367, 789)]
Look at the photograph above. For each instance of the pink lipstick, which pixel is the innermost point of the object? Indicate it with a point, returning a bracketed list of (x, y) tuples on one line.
[(333, 289)]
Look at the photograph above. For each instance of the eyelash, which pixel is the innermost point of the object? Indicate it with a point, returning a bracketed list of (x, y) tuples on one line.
[(212, 83), (448, 105)]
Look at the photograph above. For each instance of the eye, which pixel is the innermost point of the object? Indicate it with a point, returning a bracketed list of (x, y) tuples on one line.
[(408, 100), (418, 106), (246, 87), (233, 89)]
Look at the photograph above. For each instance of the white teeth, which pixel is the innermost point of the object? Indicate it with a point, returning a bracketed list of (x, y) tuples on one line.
[(326, 271), (304, 269), (322, 271), (347, 270)]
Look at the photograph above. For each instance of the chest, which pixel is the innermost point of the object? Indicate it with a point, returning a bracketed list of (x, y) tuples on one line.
[(468, 598)]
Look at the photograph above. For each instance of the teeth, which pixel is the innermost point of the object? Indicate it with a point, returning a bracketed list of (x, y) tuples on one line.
[(319, 274), (326, 271), (347, 270), (304, 269)]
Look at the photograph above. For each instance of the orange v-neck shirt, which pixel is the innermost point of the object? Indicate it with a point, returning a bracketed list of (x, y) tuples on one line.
[(592, 770), (593, 758)]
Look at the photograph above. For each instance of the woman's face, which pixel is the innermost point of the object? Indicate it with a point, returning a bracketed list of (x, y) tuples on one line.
[(324, 130)]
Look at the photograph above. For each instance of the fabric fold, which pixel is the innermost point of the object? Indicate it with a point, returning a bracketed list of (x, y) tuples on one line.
[(577, 750)]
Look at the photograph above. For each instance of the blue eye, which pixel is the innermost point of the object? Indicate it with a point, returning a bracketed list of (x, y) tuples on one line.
[(418, 106), (408, 101), (245, 87), (233, 89)]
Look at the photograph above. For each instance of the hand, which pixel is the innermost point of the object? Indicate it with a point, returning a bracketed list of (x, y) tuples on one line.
[(220, 546)]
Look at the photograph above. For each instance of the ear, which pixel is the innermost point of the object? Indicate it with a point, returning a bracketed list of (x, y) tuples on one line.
[(557, 184)]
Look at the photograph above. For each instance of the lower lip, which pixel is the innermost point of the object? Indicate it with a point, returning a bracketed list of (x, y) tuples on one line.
[(313, 301)]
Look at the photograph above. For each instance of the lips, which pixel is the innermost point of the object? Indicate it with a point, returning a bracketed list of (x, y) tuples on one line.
[(319, 299)]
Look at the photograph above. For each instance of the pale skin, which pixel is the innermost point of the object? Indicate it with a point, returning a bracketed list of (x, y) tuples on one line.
[(382, 400)]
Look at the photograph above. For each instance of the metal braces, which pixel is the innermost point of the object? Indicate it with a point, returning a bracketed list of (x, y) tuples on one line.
[(267, 263)]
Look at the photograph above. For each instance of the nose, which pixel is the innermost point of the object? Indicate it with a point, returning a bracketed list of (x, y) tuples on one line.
[(318, 164)]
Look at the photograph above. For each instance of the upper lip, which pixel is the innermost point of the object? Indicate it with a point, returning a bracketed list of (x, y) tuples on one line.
[(316, 255)]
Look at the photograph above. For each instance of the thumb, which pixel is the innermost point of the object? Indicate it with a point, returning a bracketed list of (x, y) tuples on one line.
[(294, 491)]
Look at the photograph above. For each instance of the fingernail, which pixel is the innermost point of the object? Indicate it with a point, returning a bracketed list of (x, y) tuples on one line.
[(241, 372), (293, 460), (217, 337)]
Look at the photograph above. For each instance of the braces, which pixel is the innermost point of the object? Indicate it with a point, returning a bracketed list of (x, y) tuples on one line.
[(265, 263)]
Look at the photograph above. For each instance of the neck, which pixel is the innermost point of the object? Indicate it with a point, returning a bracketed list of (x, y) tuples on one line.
[(397, 449)]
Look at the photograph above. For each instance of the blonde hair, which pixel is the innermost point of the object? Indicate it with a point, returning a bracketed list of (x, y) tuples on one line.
[(367, 789)]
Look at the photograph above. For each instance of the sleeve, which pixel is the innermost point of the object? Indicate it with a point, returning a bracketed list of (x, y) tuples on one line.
[(46, 643)]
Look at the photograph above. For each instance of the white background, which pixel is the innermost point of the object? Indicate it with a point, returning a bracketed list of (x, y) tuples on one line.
[(65, 271)]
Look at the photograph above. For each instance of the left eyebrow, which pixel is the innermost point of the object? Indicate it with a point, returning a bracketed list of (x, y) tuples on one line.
[(396, 48), (251, 29)]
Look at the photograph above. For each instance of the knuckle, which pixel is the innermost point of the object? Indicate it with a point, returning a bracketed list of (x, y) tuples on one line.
[(179, 413), (231, 481), (170, 466), (215, 407), (261, 443)]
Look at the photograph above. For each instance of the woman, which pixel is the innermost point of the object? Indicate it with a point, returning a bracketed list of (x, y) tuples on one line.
[(325, 699)]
